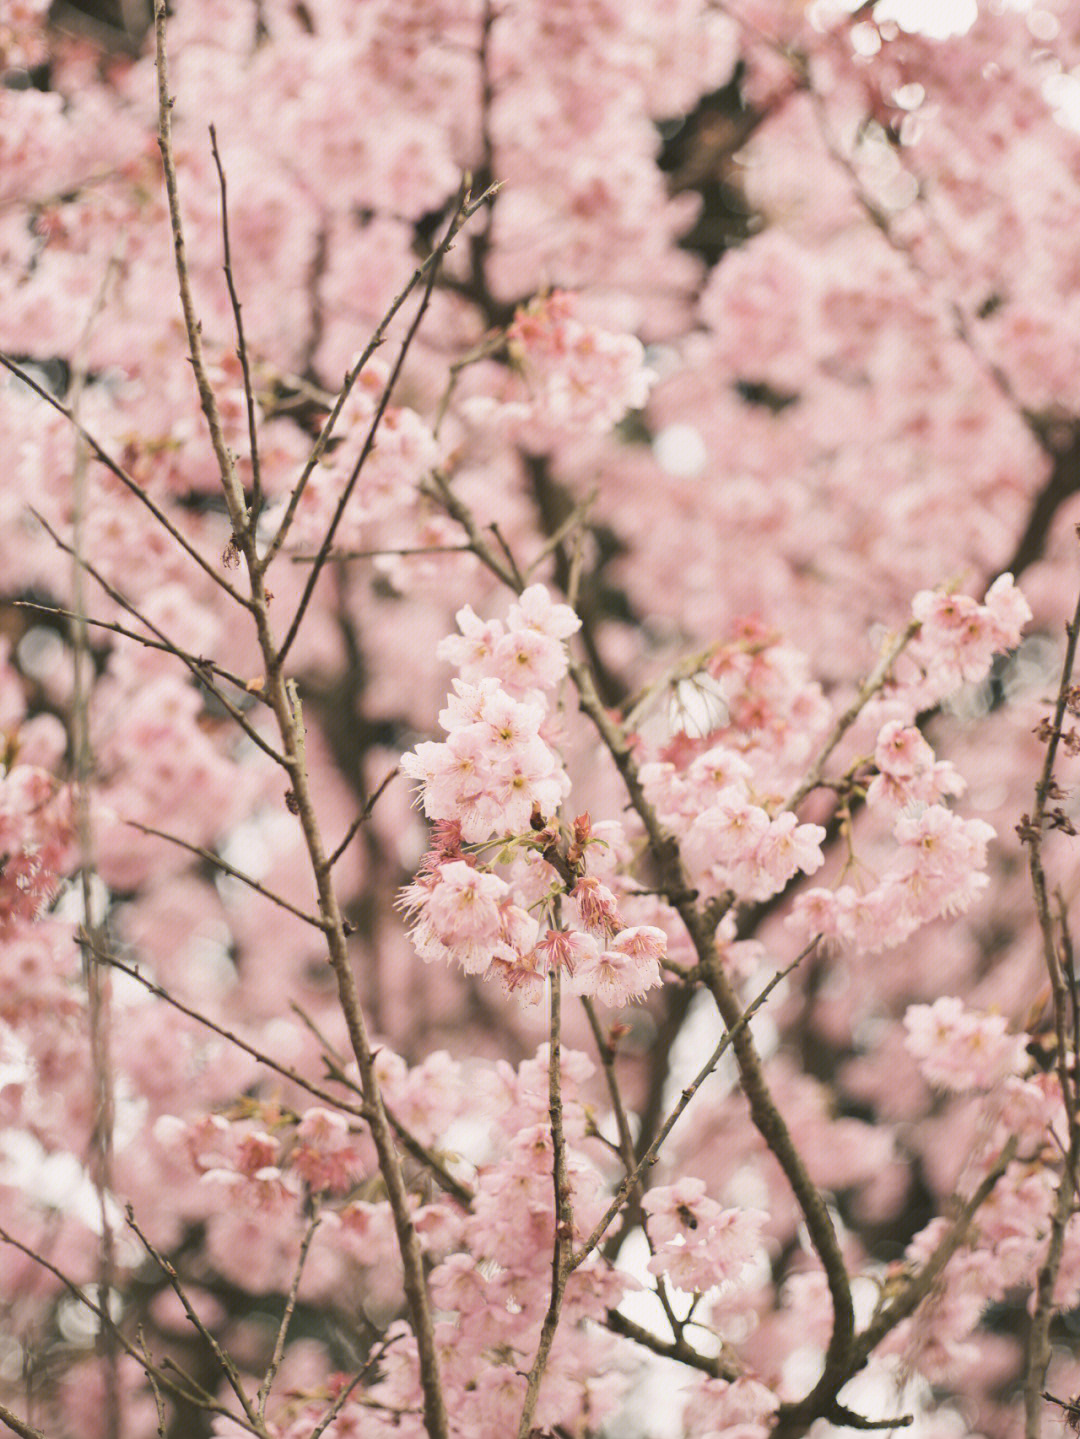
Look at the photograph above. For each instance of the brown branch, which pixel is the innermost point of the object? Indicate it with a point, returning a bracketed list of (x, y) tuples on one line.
[(286, 1071), (717, 1366), (193, 665), (192, 1394), (363, 817), (286, 1319), (335, 1067), (194, 662), (18, 1426), (563, 1239), (904, 1304), (227, 1367), (648, 1159), (286, 704), (1032, 832), (874, 681)]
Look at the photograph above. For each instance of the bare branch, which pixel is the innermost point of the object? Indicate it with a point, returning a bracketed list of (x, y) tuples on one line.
[(870, 686), (422, 273), (18, 1426), (717, 1366), (362, 818), (286, 1071), (189, 1391), (241, 343), (193, 662), (227, 1367), (230, 483), (195, 666), (563, 1238), (286, 1319), (118, 471), (227, 868)]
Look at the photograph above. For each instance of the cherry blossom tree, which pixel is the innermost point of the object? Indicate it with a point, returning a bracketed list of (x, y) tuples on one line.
[(538, 726)]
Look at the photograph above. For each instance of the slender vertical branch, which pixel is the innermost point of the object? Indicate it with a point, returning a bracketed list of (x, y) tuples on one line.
[(1032, 831), (563, 1237), (95, 978), (286, 1319), (241, 343), (286, 704), (230, 483)]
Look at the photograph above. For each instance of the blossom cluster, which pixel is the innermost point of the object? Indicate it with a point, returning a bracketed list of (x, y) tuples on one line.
[(699, 1245), (569, 376), (958, 637), (959, 1049), (730, 840), (495, 777), (36, 832)]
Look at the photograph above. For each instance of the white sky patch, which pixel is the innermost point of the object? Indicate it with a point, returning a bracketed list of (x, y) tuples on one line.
[(680, 451), (1062, 93), (937, 19)]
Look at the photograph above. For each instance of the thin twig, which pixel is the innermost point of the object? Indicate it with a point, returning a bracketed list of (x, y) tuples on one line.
[(227, 1367), (193, 662), (286, 1071), (574, 520), (285, 700), (335, 1067), (870, 686), (230, 483), (904, 1304), (194, 665), (341, 1400), (461, 212), (190, 1392), (118, 471), (718, 1366), (648, 1159), (241, 343), (230, 870), (286, 1319), (362, 818), (420, 274)]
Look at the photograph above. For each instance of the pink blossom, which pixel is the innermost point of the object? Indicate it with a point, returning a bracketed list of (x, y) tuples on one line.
[(959, 1049)]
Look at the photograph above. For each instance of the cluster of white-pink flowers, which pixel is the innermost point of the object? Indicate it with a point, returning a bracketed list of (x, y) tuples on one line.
[(568, 375), (958, 637), (698, 1244), (938, 869), (938, 858), (35, 840), (961, 1049), (495, 777), (494, 768), (729, 839)]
